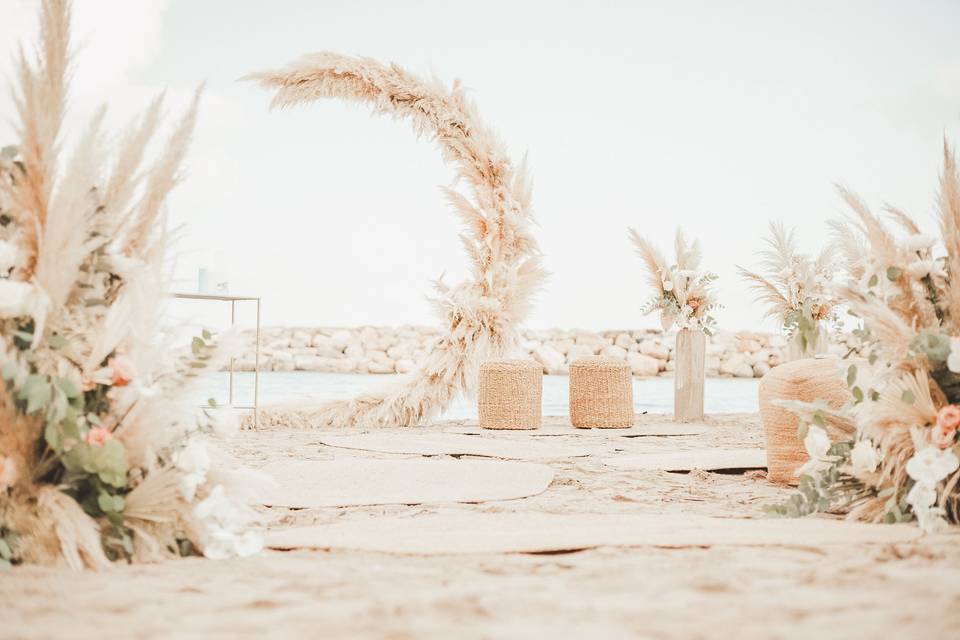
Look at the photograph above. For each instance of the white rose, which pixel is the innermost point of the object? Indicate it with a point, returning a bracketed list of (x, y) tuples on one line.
[(919, 242), (864, 458), (668, 285), (16, 298), (194, 463), (9, 256), (923, 268), (953, 360), (921, 497), (817, 443), (931, 465)]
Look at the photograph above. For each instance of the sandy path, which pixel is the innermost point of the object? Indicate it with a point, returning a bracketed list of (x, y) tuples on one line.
[(857, 591)]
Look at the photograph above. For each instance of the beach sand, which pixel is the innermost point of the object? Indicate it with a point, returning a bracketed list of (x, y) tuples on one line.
[(840, 591)]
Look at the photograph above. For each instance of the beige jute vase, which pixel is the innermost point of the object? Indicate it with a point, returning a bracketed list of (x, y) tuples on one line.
[(601, 393), (805, 380), (510, 394)]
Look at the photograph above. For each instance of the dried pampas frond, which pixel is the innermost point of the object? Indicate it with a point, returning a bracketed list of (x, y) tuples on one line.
[(481, 315)]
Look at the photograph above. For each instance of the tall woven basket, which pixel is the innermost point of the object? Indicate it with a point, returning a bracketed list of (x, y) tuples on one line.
[(804, 380), (510, 394), (601, 393)]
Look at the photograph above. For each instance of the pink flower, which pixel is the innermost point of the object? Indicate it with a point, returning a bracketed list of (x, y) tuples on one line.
[(944, 432), (123, 370), (8, 472), (693, 303), (99, 436)]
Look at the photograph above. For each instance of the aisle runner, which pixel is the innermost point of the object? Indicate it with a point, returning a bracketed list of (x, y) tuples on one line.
[(692, 429), (467, 533), (361, 481), (705, 459), (435, 444)]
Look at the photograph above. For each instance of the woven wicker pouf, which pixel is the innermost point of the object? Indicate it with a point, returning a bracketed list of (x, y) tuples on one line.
[(510, 394), (805, 380), (601, 393)]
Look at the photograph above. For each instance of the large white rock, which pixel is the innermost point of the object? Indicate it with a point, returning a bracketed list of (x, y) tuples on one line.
[(736, 365), (655, 349), (578, 351), (308, 363), (300, 339), (643, 365), (384, 365), (340, 339), (625, 341), (613, 351), (551, 359)]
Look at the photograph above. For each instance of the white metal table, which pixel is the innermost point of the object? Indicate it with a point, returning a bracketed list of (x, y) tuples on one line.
[(233, 300)]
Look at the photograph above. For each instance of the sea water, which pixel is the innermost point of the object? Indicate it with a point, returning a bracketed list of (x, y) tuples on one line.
[(653, 395)]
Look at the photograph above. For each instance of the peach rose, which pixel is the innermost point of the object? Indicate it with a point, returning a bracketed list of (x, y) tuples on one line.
[(944, 432), (122, 370), (693, 303), (8, 472), (99, 436)]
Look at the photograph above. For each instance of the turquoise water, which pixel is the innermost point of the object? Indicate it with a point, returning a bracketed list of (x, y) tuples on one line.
[(655, 395)]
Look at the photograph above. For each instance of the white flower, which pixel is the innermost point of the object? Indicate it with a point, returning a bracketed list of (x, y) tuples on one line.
[(16, 298), (9, 257), (864, 457), (932, 464), (953, 360), (921, 497), (931, 520), (919, 242), (194, 461), (817, 443), (8, 472), (223, 528), (668, 285), (923, 268)]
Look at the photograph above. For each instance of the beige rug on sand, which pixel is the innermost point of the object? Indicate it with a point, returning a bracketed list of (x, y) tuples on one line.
[(705, 459), (438, 444), (359, 481), (467, 533), (678, 429)]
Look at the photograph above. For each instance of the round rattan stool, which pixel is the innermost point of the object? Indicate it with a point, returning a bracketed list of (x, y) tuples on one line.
[(510, 394), (601, 393), (804, 380)]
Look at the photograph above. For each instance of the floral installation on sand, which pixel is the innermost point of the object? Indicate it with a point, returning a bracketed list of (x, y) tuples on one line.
[(893, 455), (684, 295), (103, 455), (481, 315), (797, 289)]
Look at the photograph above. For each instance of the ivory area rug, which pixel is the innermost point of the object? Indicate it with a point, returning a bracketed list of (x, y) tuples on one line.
[(304, 484), (705, 459), (556, 429), (437, 444), (470, 533)]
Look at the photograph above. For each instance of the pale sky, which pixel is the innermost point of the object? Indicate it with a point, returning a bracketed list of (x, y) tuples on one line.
[(717, 116)]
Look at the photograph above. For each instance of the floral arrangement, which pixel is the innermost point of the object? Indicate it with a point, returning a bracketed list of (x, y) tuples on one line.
[(796, 288), (482, 314), (102, 455), (684, 295), (893, 455)]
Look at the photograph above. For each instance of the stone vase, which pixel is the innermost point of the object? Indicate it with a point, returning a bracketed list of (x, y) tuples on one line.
[(688, 377)]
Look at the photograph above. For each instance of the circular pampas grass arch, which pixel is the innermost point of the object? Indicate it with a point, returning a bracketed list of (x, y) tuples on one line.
[(481, 314)]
